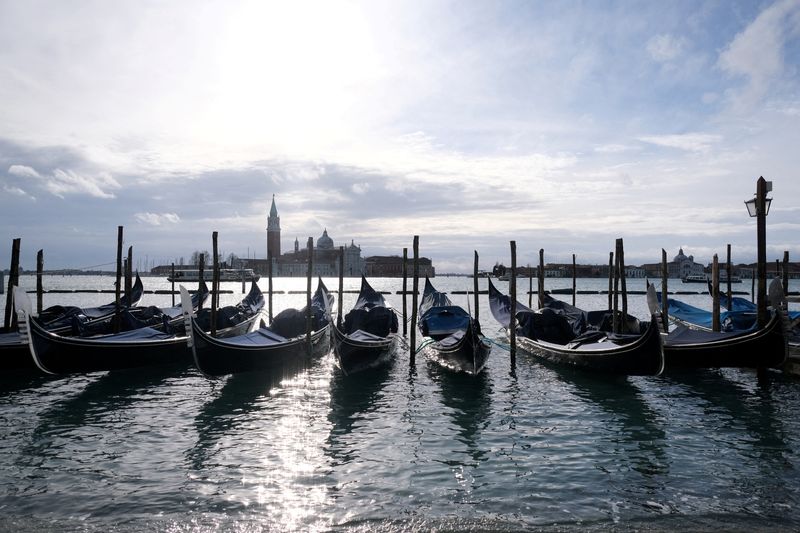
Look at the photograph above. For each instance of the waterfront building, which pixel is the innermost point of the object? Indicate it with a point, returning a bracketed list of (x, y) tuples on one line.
[(682, 266), (391, 266)]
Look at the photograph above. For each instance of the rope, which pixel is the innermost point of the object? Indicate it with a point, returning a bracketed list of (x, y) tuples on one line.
[(424, 344), (506, 347)]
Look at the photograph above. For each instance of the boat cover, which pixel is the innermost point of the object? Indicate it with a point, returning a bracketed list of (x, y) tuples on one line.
[(729, 320), (141, 334), (684, 335), (370, 314)]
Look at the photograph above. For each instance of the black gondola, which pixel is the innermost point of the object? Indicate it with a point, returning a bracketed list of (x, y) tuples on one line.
[(453, 338), (61, 319), (55, 354), (688, 348), (282, 347), (566, 335), (368, 335)]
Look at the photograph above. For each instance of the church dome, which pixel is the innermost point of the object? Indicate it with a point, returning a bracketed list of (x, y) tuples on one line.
[(679, 257), (325, 242)]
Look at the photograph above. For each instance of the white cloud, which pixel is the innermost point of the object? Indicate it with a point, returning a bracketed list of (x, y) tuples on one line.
[(69, 182), (757, 52), (664, 47), (692, 142), (22, 171), (16, 191), (157, 219)]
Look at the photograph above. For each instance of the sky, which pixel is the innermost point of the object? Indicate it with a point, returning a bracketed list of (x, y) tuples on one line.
[(559, 125)]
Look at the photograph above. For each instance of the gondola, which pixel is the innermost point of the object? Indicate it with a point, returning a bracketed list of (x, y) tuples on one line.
[(167, 319), (14, 354), (685, 347), (368, 335), (281, 347), (563, 334), (61, 319), (56, 354), (452, 338)]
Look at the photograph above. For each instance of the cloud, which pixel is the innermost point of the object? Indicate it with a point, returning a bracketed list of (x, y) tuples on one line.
[(692, 142), (360, 188), (16, 191), (157, 219), (756, 53), (22, 171), (69, 182), (664, 47)]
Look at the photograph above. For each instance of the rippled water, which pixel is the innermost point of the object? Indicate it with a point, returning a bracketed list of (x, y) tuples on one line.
[(533, 447)]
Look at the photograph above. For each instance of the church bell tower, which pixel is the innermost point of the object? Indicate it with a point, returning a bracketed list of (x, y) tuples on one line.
[(273, 232)]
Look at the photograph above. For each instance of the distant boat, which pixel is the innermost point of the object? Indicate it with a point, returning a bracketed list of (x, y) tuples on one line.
[(225, 274), (695, 278), (702, 278)]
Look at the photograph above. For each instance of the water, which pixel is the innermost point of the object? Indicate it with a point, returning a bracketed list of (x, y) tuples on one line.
[(536, 448)]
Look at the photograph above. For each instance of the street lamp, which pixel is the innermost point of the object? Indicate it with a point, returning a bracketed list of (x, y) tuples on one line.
[(758, 207)]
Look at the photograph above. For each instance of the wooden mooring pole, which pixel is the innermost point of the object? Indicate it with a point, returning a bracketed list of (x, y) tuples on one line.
[(664, 303), (729, 273), (715, 326), (541, 278), (214, 284), (118, 283), (172, 277), (39, 287), (269, 286), (405, 289), (623, 286), (308, 292), (786, 272), (200, 275), (13, 280), (574, 279), (475, 286), (339, 306), (610, 280), (512, 289), (615, 317), (530, 285), (415, 285), (129, 277)]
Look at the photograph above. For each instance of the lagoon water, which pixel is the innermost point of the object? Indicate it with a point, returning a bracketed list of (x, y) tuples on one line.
[(529, 447)]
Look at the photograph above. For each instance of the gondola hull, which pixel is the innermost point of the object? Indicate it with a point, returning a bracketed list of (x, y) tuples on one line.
[(358, 352), (218, 357), (765, 347), (643, 357), (14, 355), (55, 354), (593, 350), (466, 352)]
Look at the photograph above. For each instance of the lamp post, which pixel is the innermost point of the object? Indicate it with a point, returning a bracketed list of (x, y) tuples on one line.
[(758, 207)]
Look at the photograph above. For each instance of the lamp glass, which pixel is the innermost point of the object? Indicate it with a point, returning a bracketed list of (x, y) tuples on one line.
[(751, 207), (767, 202)]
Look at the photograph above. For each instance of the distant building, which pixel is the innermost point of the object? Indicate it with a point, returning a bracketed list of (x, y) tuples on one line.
[(325, 261), (391, 266), (682, 266)]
